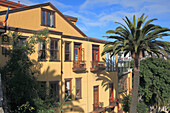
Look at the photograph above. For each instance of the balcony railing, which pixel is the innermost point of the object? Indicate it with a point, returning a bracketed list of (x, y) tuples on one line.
[(97, 66), (122, 70), (123, 67), (79, 66), (98, 107)]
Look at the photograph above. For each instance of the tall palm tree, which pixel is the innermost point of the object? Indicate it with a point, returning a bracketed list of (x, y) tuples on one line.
[(138, 38)]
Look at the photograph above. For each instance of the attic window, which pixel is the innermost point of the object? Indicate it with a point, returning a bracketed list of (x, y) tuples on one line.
[(47, 18)]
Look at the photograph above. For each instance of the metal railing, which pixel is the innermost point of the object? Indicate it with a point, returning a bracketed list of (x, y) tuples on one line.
[(123, 69), (79, 65), (98, 65)]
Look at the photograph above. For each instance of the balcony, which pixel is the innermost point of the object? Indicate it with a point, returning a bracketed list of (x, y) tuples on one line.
[(79, 66), (123, 67), (98, 107), (97, 66)]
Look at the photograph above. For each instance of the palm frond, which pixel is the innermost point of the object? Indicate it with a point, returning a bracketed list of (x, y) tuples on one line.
[(116, 37), (138, 37), (149, 21)]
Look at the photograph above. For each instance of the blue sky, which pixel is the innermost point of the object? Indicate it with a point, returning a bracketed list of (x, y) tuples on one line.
[(95, 17)]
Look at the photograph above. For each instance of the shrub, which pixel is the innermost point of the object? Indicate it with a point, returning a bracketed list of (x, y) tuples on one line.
[(142, 107)]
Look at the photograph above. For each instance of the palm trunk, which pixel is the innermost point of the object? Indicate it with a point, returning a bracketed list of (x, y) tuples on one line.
[(134, 101)]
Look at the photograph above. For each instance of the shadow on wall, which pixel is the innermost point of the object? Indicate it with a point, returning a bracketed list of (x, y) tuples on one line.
[(105, 78), (69, 105)]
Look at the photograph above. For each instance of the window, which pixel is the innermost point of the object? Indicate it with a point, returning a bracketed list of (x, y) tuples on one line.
[(95, 53), (48, 18), (19, 41), (96, 95), (42, 93), (78, 88), (54, 90), (42, 51), (67, 51), (54, 50), (77, 52), (68, 89), (110, 62)]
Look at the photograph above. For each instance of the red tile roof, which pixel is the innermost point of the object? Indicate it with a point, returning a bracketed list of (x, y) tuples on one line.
[(11, 4)]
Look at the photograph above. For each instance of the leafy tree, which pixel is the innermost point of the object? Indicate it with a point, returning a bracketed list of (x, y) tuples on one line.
[(126, 103), (19, 85), (137, 39), (142, 108), (155, 82)]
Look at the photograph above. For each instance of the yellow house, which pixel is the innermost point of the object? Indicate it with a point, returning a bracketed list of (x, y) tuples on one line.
[(71, 62)]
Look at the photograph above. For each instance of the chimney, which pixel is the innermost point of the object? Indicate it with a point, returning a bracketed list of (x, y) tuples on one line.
[(18, 2)]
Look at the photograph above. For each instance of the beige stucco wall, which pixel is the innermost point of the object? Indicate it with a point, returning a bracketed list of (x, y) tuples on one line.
[(51, 71), (31, 19)]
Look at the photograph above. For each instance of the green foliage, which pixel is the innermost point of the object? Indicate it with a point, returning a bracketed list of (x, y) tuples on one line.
[(21, 86), (138, 38), (142, 108), (126, 103), (24, 107), (155, 81)]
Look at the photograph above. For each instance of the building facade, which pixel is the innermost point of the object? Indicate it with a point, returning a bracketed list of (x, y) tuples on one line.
[(71, 62)]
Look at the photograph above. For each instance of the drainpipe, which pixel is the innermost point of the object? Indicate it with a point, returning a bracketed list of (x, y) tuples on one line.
[(87, 87), (61, 71), (87, 94)]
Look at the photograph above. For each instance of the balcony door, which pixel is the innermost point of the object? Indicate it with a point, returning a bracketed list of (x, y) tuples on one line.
[(95, 53), (96, 95), (77, 52)]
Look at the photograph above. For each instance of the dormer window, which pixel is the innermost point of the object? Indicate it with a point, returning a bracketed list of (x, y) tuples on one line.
[(48, 18)]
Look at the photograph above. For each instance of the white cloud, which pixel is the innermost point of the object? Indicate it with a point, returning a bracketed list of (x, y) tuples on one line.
[(153, 8)]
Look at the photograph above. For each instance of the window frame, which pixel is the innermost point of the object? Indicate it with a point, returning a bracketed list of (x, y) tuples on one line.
[(94, 99), (43, 89), (69, 53), (79, 52), (94, 51), (55, 49), (51, 12), (70, 90), (39, 49), (57, 88), (80, 89), (110, 63)]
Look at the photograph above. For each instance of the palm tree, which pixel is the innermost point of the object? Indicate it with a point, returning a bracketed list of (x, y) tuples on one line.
[(138, 38)]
